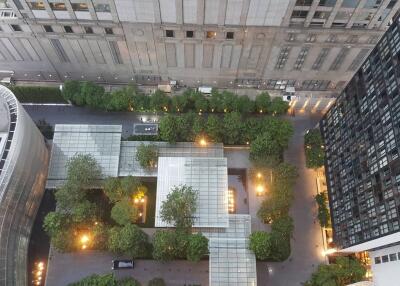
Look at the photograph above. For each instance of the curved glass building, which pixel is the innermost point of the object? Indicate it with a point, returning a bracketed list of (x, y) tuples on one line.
[(23, 171)]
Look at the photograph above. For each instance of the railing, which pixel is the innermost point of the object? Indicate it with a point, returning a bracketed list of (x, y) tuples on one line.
[(7, 13)]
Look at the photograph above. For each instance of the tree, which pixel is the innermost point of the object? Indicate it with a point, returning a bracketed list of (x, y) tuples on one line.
[(147, 156), (63, 240), (230, 101), (278, 106), (179, 207), (214, 128), (279, 129), (159, 101), (200, 102), (123, 212), (117, 189), (260, 244), (120, 100), (263, 101), (54, 222), (156, 282), (283, 225), (216, 101), (345, 271), (92, 93), (314, 149), (245, 104), (197, 247), (265, 151), (165, 246), (168, 127), (280, 247), (180, 103), (129, 240), (232, 128), (72, 92), (141, 102), (105, 280), (83, 170), (323, 210), (198, 127)]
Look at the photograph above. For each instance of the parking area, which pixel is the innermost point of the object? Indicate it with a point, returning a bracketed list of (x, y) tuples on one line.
[(145, 129)]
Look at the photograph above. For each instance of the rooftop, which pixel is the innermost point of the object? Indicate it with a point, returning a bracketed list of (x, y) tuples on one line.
[(209, 176)]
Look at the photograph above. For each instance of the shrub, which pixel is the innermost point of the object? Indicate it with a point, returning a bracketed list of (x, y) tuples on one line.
[(38, 94), (323, 210), (314, 149), (197, 247), (147, 156), (129, 240), (156, 282), (260, 244)]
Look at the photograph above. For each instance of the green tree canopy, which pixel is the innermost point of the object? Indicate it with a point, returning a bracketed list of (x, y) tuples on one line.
[(147, 156), (129, 240), (214, 128), (124, 213), (54, 222), (260, 244), (324, 217), (345, 271), (233, 127), (169, 245), (159, 101), (263, 102), (265, 151), (105, 280), (92, 93), (278, 106), (314, 149), (117, 189), (179, 207), (216, 101), (197, 247), (168, 127), (83, 170)]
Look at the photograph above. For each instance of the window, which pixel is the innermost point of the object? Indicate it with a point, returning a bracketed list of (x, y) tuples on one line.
[(16, 28), (116, 55), (68, 29), (230, 35), (36, 5), (385, 259), (320, 59), (48, 29), (189, 34), (304, 2), (377, 260), (291, 37), (169, 33), (58, 6), (88, 30), (109, 31), (299, 14), (282, 58), (102, 8), (79, 7), (392, 257), (311, 38), (211, 35)]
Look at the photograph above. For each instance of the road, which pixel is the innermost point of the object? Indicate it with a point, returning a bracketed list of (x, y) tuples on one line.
[(307, 243), (80, 115)]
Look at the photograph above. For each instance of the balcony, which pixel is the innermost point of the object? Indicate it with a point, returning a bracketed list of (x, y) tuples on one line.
[(7, 13)]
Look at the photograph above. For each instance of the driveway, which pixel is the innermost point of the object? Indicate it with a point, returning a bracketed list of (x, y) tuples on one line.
[(71, 267), (307, 245)]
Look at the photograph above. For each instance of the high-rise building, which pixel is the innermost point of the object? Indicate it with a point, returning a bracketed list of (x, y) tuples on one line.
[(313, 45), (362, 142), (23, 171)]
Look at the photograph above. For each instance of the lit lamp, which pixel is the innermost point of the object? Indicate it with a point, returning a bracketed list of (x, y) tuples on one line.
[(259, 190), (203, 142), (84, 240), (329, 251)]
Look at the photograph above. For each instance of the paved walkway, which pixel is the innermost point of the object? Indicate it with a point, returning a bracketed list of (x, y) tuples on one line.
[(70, 267), (307, 243)]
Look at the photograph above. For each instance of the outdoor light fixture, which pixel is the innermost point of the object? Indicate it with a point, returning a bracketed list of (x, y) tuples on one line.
[(259, 189), (203, 142), (329, 251)]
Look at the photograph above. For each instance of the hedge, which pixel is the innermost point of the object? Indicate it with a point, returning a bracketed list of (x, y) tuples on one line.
[(38, 94)]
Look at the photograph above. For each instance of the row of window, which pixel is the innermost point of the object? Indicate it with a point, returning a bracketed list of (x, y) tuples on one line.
[(60, 6), (68, 29), (209, 34), (371, 4), (386, 258)]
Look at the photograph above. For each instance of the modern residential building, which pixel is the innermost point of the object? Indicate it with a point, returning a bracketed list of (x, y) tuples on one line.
[(362, 142), (23, 172), (313, 45)]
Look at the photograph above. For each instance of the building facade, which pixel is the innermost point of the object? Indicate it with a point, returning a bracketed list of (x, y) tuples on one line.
[(271, 44), (361, 133), (23, 172)]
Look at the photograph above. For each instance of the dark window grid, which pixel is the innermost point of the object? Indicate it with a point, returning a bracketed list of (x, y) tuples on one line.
[(282, 58), (321, 58)]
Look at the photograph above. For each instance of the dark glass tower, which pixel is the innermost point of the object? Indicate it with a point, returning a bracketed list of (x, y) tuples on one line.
[(362, 141)]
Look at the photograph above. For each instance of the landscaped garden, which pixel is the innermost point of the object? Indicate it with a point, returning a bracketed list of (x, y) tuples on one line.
[(107, 218)]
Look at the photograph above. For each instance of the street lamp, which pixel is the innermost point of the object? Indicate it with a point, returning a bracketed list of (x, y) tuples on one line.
[(203, 142)]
